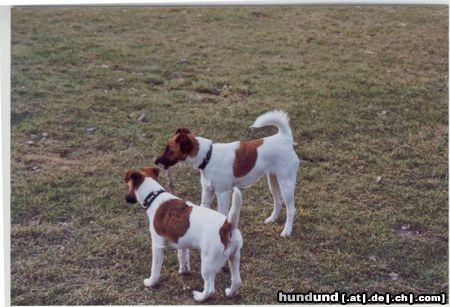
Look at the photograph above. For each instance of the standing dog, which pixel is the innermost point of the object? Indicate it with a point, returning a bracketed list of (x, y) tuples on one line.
[(183, 225), (239, 164)]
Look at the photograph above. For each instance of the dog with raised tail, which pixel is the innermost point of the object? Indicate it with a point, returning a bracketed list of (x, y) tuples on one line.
[(183, 225), (239, 164)]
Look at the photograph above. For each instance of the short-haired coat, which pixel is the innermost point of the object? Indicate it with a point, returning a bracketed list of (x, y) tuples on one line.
[(182, 225), (239, 164)]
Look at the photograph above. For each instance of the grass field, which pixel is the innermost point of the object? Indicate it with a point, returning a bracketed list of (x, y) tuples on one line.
[(366, 89)]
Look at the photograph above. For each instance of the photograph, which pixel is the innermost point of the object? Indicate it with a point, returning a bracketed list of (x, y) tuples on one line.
[(227, 155)]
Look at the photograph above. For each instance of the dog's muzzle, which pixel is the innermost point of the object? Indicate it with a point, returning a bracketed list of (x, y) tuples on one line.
[(161, 162)]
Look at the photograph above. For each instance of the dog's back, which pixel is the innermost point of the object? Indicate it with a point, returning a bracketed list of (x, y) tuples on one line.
[(209, 228)]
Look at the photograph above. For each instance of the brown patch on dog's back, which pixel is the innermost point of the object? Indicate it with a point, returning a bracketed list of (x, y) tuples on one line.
[(225, 233), (171, 219), (246, 156)]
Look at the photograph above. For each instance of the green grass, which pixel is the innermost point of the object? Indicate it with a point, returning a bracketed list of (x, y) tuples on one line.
[(366, 90)]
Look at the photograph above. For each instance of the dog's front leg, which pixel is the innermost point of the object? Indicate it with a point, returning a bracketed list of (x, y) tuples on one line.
[(157, 260), (223, 198), (183, 259)]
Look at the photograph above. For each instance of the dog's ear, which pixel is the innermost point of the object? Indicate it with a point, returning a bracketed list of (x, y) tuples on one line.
[(136, 178), (185, 142), (128, 175), (182, 130), (151, 172)]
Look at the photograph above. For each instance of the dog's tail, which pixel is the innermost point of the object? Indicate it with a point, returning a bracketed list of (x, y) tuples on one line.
[(276, 118), (233, 215)]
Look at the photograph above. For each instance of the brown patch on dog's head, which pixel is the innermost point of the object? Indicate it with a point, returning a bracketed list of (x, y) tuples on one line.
[(133, 179), (151, 172), (172, 219), (178, 148), (225, 233), (182, 130), (246, 156)]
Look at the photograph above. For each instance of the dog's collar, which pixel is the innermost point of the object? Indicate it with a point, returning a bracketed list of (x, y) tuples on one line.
[(207, 158), (151, 197)]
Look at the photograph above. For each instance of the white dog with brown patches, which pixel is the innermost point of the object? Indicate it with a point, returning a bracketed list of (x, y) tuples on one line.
[(239, 164), (183, 225)]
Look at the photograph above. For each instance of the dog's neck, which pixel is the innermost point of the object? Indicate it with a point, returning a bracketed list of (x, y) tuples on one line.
[(203, 147), (149, 185)]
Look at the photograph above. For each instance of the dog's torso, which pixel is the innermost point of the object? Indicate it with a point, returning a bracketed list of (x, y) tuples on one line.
[(183, 225), (180, 224), (240, 164)]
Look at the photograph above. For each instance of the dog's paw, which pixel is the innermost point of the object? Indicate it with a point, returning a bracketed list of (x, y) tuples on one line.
[(269, 220), (198, 296), (184, 270), (228, 293), (149, 282), (286, 232)]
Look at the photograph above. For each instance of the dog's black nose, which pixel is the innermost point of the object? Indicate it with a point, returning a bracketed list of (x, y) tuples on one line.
[(131, 199)]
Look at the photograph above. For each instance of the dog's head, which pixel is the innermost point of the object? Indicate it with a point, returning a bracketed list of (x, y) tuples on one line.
[(134, 179), (178, 148)]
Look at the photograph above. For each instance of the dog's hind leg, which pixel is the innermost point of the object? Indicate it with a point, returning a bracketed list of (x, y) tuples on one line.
[(210, 267), (183, 259), (287, 187), (277, 198), (234, 262)]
